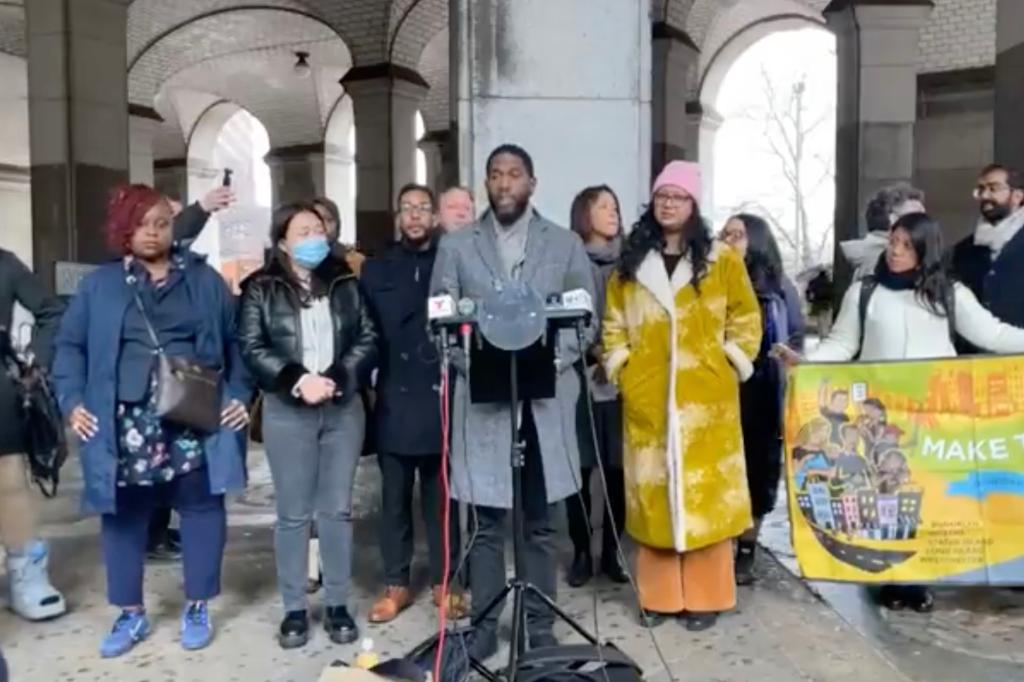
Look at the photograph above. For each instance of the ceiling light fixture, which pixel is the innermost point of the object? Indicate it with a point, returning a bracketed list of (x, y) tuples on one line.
[(302, 68)]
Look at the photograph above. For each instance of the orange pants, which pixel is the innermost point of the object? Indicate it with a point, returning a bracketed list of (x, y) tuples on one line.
[(699, 581)]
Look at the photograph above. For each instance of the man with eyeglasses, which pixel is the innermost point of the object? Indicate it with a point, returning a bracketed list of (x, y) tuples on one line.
[(991, 260), (407, 413)]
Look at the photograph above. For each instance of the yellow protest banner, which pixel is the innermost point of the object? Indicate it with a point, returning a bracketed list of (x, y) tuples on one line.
[(908, 472)]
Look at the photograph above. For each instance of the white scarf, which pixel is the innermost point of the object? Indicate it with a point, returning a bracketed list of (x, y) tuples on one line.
[(995, 237)]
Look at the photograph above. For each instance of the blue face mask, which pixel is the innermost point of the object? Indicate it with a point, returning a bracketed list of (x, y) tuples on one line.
[(311, 252)]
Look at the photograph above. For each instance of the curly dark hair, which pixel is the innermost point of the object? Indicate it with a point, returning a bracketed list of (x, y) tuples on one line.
[(886, 200), (647, 235)]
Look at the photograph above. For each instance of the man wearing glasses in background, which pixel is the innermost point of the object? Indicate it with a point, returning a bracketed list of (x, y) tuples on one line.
[(991, 260), (407, 411)]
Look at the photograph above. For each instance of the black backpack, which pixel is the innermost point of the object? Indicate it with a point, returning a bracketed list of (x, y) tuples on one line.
[(869, 283)]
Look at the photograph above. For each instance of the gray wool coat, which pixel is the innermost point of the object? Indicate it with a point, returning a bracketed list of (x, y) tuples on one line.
[(468, 265)]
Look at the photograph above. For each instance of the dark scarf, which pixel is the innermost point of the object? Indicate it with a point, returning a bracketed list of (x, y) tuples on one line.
[(896, 281)]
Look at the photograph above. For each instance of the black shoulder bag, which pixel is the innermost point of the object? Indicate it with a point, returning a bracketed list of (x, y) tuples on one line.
[(187, 394)]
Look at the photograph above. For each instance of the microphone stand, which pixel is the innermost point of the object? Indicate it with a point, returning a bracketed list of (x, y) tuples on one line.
[(518, 585)]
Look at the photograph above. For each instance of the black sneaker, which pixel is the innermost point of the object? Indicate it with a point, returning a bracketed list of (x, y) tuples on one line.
[(294, 631), (582, 570), (339, 625), (700, 621), (164, 551), (652, 619), (745, 553), (613, 570)]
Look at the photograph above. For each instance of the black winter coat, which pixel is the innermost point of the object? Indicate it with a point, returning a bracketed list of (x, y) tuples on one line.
[(407, 413), (996, 284), (19, 285), (269, 329)]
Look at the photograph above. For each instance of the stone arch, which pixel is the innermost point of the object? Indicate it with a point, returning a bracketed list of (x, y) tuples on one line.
[(227, 135), (717, 65), (724, 37), (246, 54), (414, 23)]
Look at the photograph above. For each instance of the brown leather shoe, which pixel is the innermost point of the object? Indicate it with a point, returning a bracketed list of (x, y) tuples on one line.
[(395, 600), (457, 606)]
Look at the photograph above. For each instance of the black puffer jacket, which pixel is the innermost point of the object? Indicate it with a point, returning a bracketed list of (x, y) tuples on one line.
[(269, 329)]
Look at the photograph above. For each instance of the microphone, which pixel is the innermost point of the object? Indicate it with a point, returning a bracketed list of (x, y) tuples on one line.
[(578, 299), (466, 309), (440, 307)]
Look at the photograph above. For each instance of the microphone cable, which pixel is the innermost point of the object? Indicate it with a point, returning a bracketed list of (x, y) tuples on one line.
[(609, 516), (445, 405)]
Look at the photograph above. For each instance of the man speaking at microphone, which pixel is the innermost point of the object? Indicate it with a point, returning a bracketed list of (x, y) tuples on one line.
[(511, 242)]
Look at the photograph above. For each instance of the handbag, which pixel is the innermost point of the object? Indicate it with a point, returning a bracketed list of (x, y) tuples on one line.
[(187, 394)]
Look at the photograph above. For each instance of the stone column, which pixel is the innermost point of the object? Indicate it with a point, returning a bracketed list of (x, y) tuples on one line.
[(385, 99), (570, 81), (706, 120), (296, 173), (877, 55), (674, 61), (1009, 136), (170, 176), (441, 173), (143, 124), (78, 107)]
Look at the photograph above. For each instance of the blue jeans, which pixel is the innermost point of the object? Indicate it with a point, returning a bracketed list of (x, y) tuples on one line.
[(313, 454), (203, 536)]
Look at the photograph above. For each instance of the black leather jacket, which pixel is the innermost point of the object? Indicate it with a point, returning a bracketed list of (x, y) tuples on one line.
[(269, 329)]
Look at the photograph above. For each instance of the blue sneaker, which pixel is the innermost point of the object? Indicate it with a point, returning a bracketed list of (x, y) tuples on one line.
[(130, 628), (196, 626)]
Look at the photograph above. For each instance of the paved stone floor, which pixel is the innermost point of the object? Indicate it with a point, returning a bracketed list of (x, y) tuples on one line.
[(780, 632)]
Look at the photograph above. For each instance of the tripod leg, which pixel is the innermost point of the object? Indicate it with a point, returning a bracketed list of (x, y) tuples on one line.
[(548, 602), (518, 643)]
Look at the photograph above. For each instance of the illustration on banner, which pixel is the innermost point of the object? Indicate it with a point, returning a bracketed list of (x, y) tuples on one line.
[(853, 480)]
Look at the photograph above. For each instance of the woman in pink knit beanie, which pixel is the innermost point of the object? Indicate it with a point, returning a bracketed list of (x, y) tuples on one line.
[(681, 327)]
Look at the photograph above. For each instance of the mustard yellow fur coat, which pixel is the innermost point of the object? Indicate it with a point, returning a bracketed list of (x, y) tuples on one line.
[(678, 357)]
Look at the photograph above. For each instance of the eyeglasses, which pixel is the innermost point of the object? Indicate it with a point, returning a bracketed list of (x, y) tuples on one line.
[(677, 199), (412, 209), (990, 188)]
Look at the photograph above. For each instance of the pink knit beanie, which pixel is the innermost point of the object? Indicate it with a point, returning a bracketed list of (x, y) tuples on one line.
[(682, 174)]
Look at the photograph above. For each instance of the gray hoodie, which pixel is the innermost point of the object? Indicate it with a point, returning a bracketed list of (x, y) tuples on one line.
[(863, 254)]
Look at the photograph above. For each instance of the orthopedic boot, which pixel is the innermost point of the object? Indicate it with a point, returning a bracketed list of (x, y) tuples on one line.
[(31, 595)]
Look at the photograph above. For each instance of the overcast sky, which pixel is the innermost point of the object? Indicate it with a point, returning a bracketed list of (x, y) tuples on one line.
[(745, 169)]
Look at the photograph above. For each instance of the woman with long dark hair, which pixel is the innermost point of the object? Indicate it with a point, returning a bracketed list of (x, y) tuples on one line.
[(911, 313), (596, 219), (681, 329), (761, 397), (156, 300), (308, 339)]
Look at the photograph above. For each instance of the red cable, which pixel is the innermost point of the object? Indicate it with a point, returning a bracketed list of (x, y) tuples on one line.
[(445, 534)]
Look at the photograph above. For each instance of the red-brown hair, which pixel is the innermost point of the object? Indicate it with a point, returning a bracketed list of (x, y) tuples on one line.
[(127, 207)]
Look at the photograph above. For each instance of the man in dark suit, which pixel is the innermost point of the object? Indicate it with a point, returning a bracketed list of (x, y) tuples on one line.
[(991, 260), (407, 412)]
